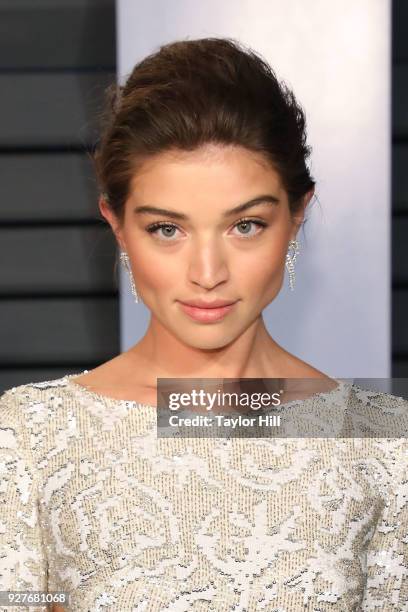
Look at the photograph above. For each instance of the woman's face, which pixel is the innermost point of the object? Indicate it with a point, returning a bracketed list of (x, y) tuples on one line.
[(209, 253)]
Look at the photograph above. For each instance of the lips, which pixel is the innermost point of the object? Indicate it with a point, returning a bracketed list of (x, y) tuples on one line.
[(212, 304), (207, 315)]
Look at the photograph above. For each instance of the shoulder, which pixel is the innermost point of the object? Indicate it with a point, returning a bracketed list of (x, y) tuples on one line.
[(30, 406), (33, 391), (379, 414), (33, 417), (382, 419), (378, 398)]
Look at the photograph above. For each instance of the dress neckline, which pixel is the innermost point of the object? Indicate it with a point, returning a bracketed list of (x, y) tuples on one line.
[(341, 385), (98, 396)]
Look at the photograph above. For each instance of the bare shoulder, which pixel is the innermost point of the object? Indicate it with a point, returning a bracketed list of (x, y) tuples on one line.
[(117, 375), (308, 380), (119, 378), (103, 375), (297, 368)]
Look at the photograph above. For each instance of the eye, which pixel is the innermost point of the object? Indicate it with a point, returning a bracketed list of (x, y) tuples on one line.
[(170, 227), (245, 223), (153, 229)]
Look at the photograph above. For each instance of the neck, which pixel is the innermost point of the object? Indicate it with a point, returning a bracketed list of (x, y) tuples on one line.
[(254, 354)]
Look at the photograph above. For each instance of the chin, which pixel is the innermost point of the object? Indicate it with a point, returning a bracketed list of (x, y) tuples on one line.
[(208, 340)]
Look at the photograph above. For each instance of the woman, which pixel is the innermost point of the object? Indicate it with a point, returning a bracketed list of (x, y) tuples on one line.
[(202, 170)]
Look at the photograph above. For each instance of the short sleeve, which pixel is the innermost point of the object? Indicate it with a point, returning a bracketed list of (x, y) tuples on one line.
[(23, 565), (387, 552)]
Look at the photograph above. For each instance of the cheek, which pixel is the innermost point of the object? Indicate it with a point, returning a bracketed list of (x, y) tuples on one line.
[(151, 270), (263, 264)]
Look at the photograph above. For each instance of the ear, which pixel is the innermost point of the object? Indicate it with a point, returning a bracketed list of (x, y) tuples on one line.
[(111, 218), (299, 216)]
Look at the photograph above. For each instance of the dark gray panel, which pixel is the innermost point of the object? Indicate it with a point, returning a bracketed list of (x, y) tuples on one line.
[(400, 176), (58, 331), (57, 260), (63, 33), (51, 109), (47, 186), (400, 186), (400, 368), (399, 30), (400, 100), (400, 321), (400, 250), (13, 377)]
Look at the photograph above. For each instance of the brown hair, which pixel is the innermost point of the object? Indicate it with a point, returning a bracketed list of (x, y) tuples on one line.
[(194, 92)]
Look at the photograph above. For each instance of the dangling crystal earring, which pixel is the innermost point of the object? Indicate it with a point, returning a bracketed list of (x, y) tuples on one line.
[(291, 260), (124, 257)]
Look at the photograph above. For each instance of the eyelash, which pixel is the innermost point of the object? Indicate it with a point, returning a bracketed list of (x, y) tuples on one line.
[(152, 229)]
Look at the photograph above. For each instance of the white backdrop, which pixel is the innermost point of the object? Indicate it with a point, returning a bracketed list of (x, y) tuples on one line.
[(337, 58)]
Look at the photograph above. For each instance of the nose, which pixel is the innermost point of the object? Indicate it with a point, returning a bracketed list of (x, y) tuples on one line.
[(208, 265)]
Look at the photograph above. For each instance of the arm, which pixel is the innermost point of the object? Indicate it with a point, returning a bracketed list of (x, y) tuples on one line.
[(387, 551), (23, 564)]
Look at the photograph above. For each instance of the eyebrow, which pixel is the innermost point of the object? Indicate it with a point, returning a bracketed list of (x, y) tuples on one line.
[(262, 199)]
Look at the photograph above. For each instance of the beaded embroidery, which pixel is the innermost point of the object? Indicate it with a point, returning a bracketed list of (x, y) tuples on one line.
[(93, 503)]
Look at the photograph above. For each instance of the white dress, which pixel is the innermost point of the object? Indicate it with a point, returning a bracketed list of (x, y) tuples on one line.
[(93, 503)]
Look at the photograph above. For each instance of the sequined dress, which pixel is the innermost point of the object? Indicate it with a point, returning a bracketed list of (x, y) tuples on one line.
[(95, 504)]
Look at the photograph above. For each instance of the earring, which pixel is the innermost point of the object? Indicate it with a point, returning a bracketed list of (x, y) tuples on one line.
[(291, 260), (124, 257)]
